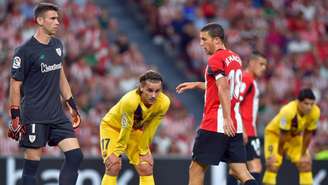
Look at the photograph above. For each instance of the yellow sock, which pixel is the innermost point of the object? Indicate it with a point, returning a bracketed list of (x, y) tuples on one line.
[(108, 180), (146, 180), (269, 178), (306, 178)]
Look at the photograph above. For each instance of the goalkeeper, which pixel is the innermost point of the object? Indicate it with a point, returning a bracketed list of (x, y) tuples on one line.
[(37, 84)]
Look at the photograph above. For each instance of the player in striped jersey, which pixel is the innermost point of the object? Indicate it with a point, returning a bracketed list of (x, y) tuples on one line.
[(220, 135), (248, 108)]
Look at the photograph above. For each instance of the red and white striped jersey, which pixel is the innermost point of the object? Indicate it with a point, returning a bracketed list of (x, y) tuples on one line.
[(223, 63), (249, 97)]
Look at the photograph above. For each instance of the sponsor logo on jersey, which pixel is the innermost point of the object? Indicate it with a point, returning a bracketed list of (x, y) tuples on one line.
[(59, 52), (17, 62), (45, 68)]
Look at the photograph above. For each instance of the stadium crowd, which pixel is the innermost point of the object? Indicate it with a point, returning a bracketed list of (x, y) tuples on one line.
[(101, 63), (292, 34)]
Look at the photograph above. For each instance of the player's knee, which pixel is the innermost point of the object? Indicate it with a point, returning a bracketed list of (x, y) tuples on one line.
[(33, 154), (114, 169), (145, 169), (255, 166)]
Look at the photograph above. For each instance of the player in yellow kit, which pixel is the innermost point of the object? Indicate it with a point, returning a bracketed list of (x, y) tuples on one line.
[(129, 128), (289, 135)]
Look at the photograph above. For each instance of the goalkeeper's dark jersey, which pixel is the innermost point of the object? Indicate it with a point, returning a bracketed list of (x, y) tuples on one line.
[(38, 66)]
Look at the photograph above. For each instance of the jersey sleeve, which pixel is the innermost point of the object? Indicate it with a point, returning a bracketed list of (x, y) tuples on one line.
[(62, 54), (285, 119), (216, 67), (20, 65), (127, 109), (315, 115), (151, 128)]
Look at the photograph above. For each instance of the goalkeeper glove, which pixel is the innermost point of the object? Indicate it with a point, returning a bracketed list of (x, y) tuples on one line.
[(16, 129), (76, 119)]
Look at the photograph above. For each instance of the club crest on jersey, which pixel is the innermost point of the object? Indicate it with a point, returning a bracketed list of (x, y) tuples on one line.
[(17, 62), (58, 50), (31, 138)]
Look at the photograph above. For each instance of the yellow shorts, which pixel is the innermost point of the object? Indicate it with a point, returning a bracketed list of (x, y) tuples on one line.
[(292, 148), (108, 141)]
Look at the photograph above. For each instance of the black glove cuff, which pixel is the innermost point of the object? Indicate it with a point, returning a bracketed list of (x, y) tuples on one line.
[(71, 102), (14, 111)]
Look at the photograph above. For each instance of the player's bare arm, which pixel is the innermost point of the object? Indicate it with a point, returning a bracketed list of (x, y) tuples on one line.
[(307, 136), (66, 93), (282, 140), (64, 86), (14, 94), (245, 137), (189, 85), (224, 95)]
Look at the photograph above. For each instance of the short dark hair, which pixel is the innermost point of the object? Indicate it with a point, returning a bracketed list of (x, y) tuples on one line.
[(256, 54), (306, 93), (214, 30), (43, 7), (150, 75)]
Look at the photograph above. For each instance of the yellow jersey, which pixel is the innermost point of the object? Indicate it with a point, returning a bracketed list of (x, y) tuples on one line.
[(289, 119), (131, 114)]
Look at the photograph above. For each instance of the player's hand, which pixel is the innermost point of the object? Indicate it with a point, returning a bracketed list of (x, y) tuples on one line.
[(271, 160), (146, 159), (245, 138), (306, 158), (185, 86), (16, 129), (76, 118), (228, 127), (274, 160), (112, 160), (304, 162)]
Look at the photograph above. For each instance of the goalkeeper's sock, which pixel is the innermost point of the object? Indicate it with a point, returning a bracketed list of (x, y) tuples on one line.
[(306, 178), (29, 172), (69, 171), (269, 178), (146, 180), (109, 180), (231, 180)]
